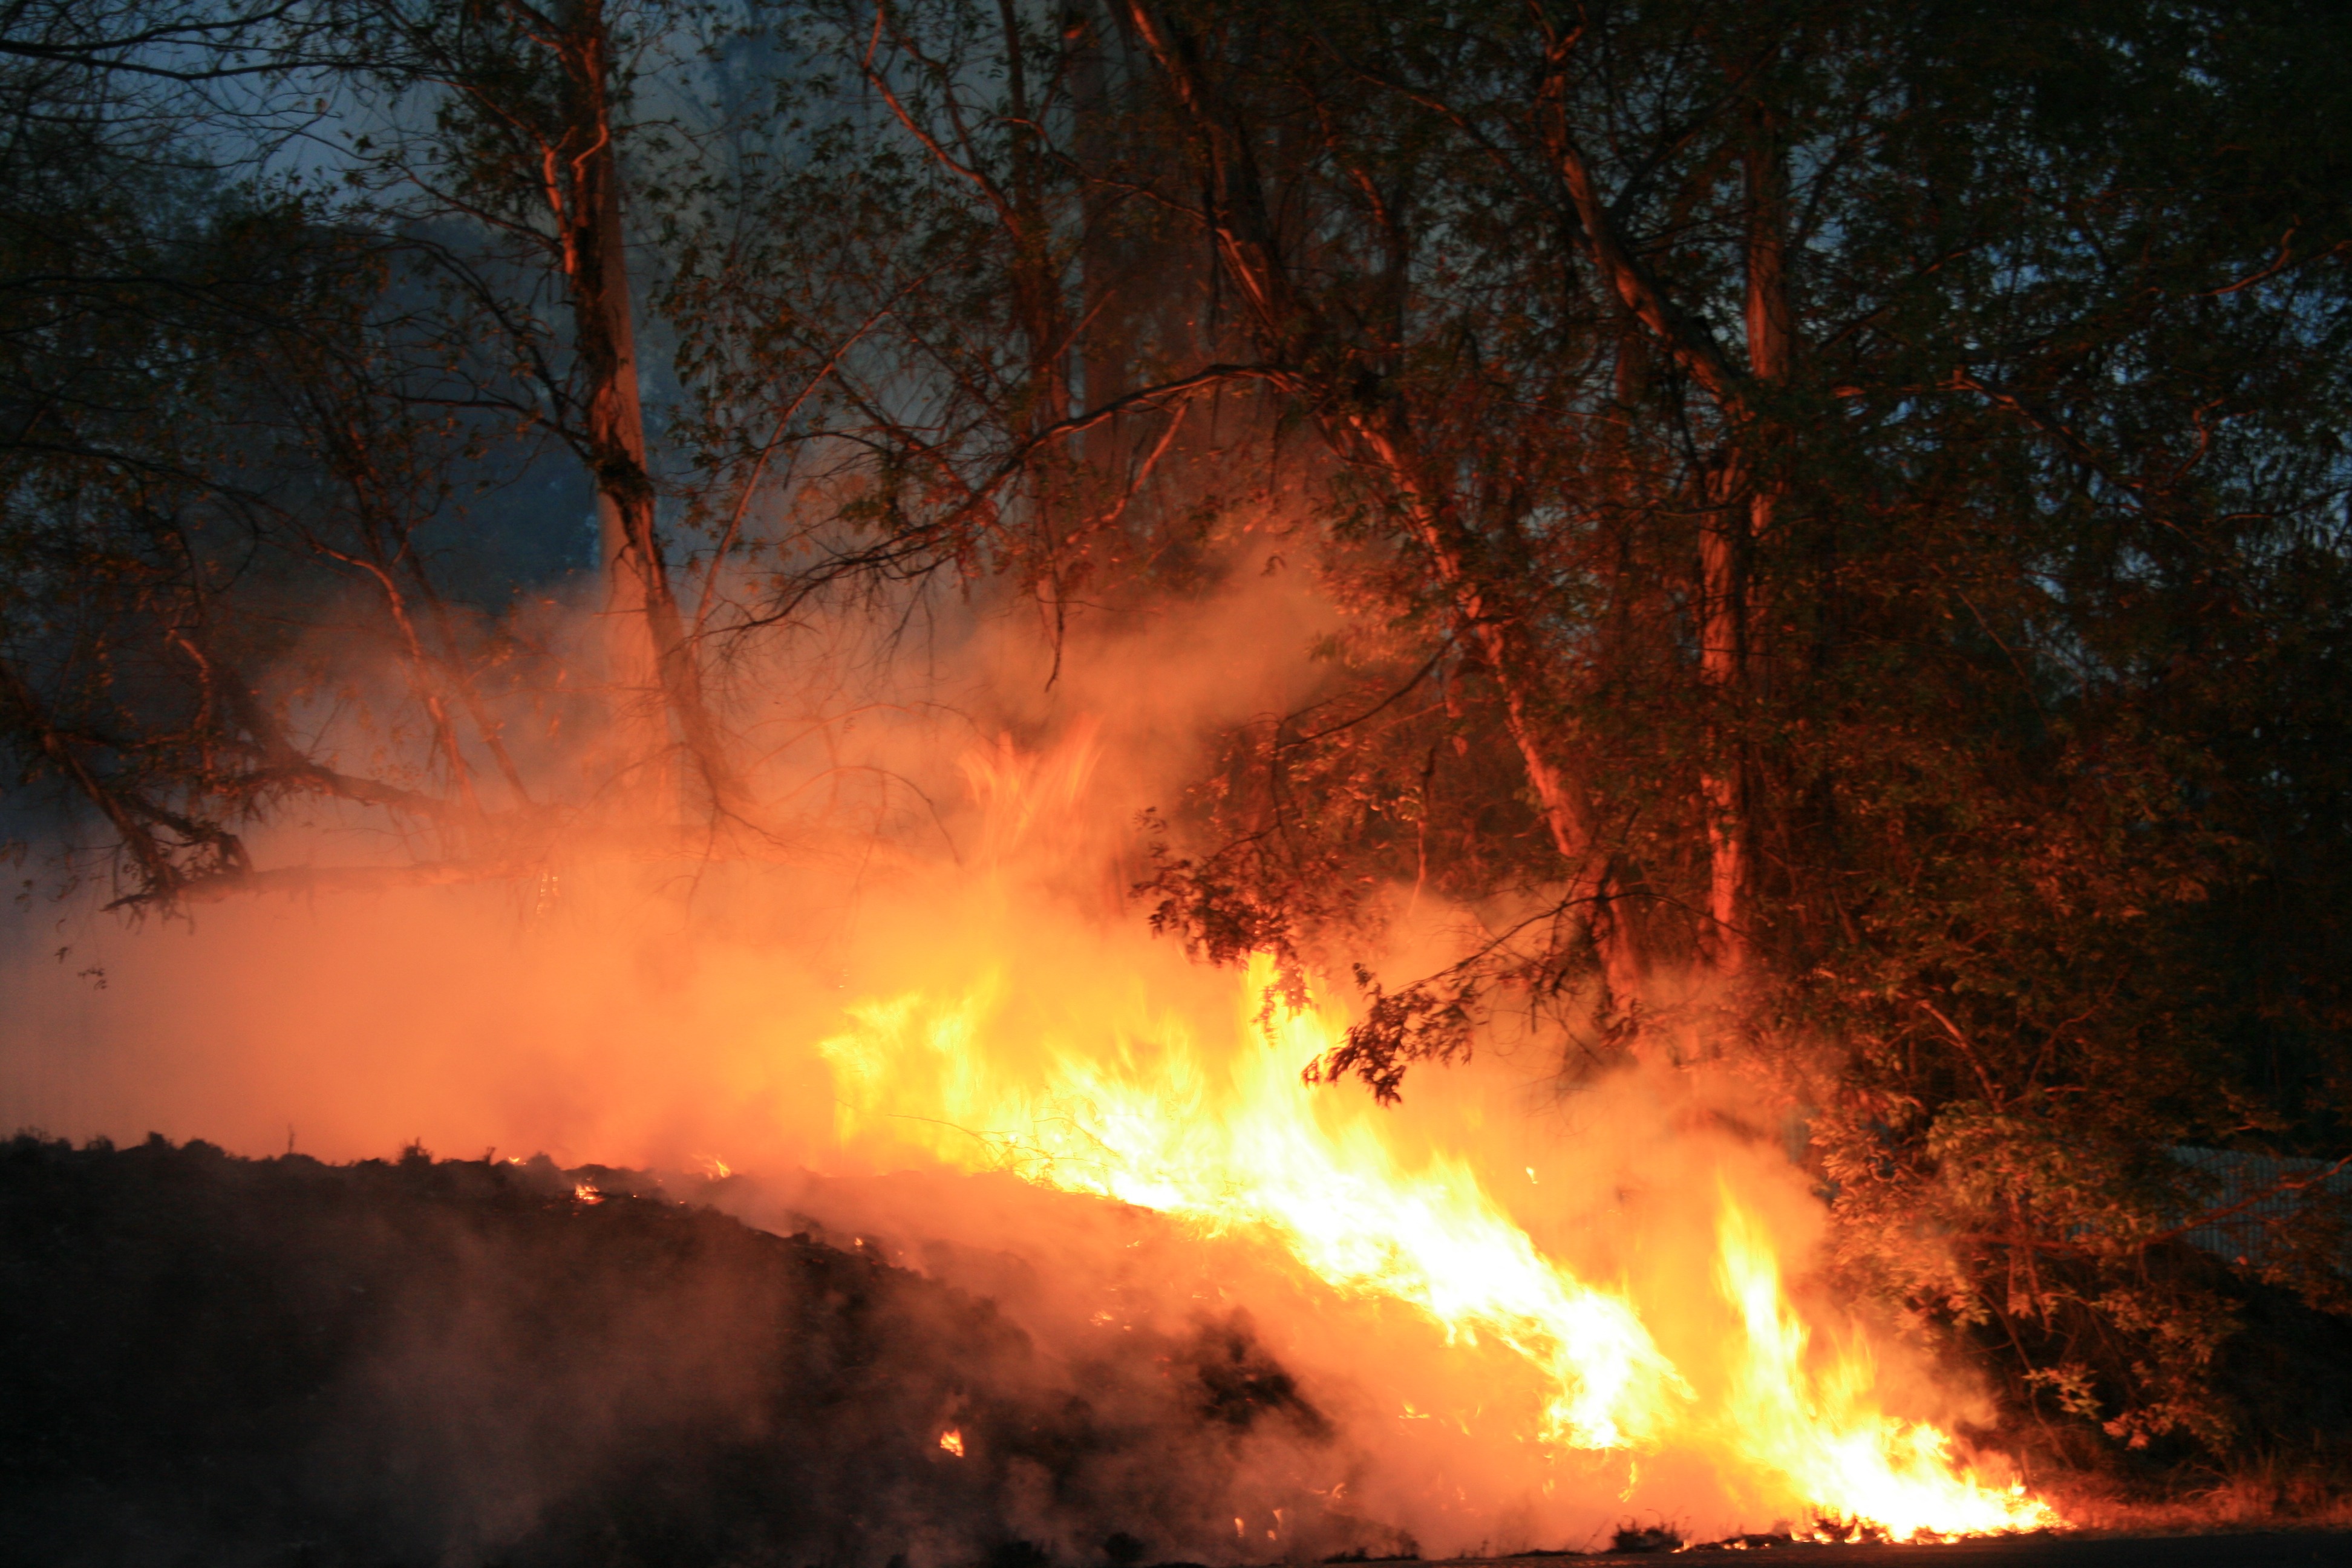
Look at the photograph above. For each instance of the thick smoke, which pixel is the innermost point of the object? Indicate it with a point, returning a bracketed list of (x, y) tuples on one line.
[(661, 1014), (961, 813)]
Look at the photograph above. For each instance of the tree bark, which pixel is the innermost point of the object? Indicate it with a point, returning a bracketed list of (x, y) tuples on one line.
[(1771, 359), (1734, 530), (653, 658), (1746, 487), (1381, 436)]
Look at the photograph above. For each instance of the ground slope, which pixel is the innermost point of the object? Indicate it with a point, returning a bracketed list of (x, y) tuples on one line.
[(208, 1359)]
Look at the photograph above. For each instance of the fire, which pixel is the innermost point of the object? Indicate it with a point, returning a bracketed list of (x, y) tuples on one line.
[(1863, 1470), (1249, 1152), (1232, 1144), (951, 1441)]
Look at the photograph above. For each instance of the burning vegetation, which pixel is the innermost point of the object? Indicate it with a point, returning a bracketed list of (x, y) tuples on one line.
[(1370, 776), (1546, 1359)]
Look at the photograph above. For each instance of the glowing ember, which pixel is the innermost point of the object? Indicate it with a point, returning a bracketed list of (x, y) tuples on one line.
[(951, 1440), (586, 1193), (1246, 1147)]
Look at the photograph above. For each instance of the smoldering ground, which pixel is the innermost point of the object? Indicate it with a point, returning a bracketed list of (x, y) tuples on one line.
[(210, 1359)]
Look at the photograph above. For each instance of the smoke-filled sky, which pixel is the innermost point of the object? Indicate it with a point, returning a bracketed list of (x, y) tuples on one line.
[(613, 1012)]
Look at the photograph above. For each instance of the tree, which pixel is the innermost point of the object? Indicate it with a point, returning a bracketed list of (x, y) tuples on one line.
[(144, 290), (525, 144), (1924, 394), (217, 366)]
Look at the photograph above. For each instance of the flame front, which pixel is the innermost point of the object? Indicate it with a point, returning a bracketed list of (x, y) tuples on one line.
[(1242, 1146), (1860, 1469)]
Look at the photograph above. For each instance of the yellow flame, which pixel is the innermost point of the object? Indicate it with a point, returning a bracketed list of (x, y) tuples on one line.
[(1859, 1467), (1243, 1145), (951, 1440)]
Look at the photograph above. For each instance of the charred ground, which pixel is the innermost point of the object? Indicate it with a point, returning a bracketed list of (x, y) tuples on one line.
[(205, 1358)]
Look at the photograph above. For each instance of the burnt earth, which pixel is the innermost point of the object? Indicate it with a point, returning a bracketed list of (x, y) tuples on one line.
[(206, 1359)]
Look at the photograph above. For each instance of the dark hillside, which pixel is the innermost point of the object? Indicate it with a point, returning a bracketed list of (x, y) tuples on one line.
[(206, 1359)]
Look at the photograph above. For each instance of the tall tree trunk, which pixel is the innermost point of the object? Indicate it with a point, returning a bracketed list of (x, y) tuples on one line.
[(653, 658), (1746, 488), (1735, 528), (1039, 308), (1381, 436), (1496, 626), (1036, 279)]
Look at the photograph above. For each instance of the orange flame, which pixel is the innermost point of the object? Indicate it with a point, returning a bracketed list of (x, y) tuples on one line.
[(1859, 1467), (951, 1441), (1240, 1145)]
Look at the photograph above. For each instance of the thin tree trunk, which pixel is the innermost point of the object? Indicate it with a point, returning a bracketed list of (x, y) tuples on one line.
[(1248, 247), (646, 639), (1746, 491), (1735, 528), (1038, 307), (1563, 795), (1105, 349)]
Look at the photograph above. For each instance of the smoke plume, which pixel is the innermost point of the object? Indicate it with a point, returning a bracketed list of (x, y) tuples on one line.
[(957, 831)]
